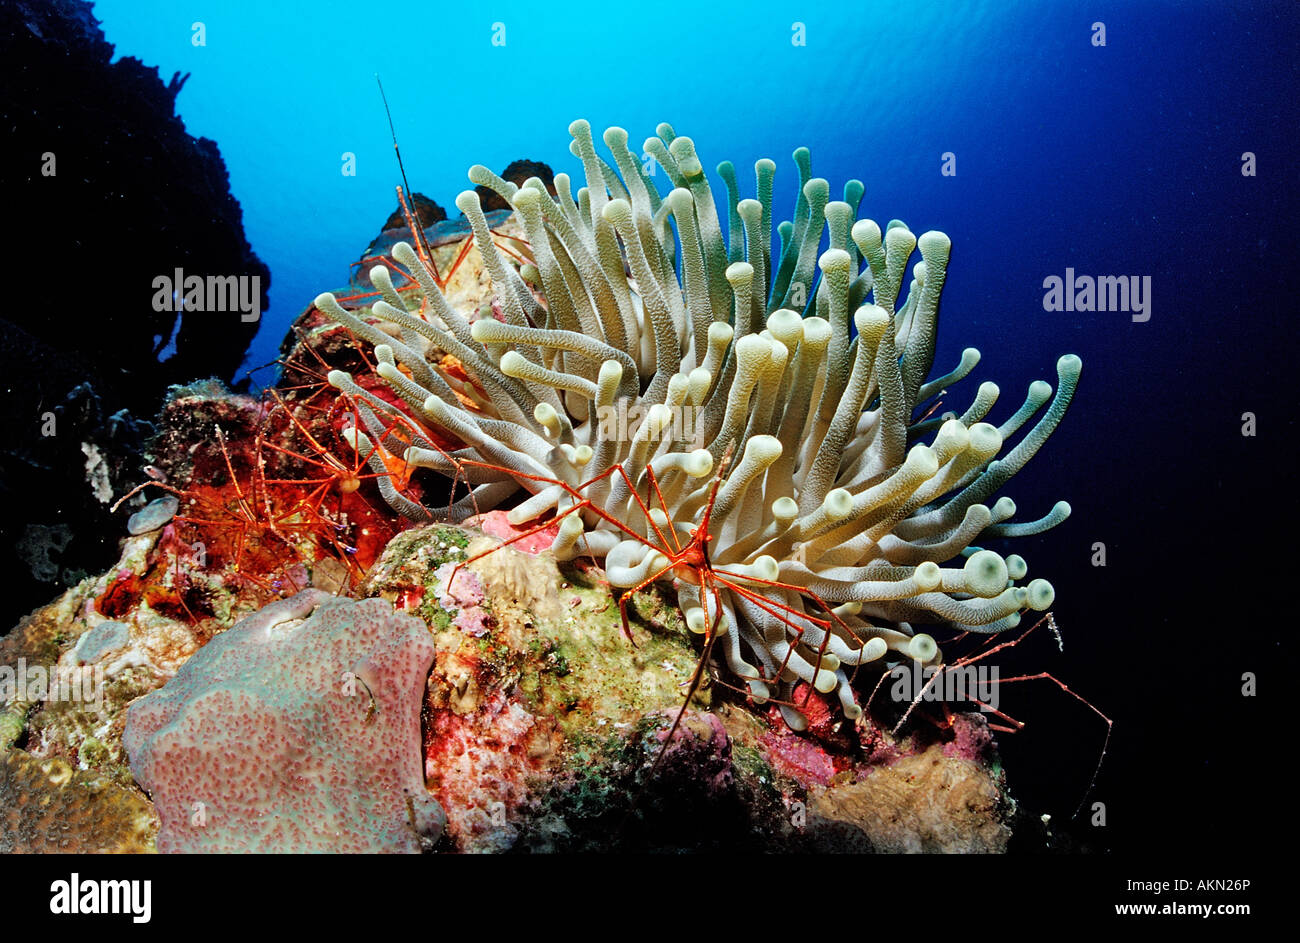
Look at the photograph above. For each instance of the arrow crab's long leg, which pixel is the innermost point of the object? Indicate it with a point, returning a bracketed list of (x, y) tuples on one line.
[(696, 678)]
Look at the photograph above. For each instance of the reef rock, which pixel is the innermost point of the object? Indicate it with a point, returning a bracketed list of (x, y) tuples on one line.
[(297, 730), (932, 802), (517, 172), (47, 806), (104, 175), (547, 728), (111, 176)]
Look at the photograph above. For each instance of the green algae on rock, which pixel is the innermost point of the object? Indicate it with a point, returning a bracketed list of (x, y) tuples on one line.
[(544, 724)]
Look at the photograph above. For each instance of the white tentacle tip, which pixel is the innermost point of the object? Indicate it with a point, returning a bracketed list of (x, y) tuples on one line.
[(874, 650), (923, 648), (696, 620)]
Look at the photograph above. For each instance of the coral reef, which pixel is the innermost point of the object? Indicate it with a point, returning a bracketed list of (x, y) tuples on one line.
[(47, 806), (95, 666), (925, 803), (74, 455), (296, 730), (539, 726), (543, 727), (260, 499), (67, 675), (104, 168), (547, 731), (637, 361)]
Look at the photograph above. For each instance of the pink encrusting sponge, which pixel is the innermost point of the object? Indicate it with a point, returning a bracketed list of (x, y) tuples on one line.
[(297, 730)]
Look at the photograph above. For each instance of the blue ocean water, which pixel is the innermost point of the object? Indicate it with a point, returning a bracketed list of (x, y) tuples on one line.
[(1122, 159)]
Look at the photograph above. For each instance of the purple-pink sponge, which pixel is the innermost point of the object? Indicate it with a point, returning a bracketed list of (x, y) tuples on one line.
[(296, 730)]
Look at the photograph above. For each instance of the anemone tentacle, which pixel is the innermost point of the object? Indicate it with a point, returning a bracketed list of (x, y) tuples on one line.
[(650, 341)]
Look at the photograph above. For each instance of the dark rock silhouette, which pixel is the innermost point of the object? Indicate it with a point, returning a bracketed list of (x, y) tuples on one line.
[(427, 211), (105, 192), (517, 171)]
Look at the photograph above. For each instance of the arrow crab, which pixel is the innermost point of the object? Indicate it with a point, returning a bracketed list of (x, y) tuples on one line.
[(756, 424)]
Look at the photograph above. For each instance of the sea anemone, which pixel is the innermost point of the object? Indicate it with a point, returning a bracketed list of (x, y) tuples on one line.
[(644, 358)]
